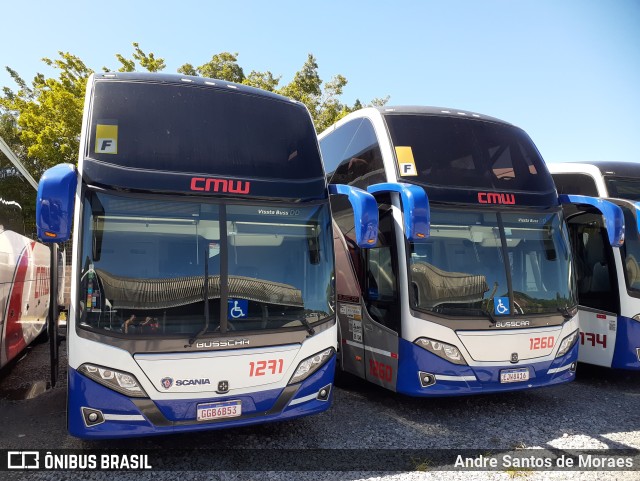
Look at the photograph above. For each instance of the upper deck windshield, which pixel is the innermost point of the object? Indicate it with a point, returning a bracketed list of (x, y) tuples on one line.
[(471, 259), (623, 187), (146, 264), (467, 153), (200, 129)]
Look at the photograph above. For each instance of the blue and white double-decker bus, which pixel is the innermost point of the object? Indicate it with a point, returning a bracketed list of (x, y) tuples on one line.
[(202, 291), (470, 287)]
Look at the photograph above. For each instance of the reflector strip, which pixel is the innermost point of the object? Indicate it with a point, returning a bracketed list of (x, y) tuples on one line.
[(372, 349), (304, 399), (123, 417), (442, 377), (559, 369)]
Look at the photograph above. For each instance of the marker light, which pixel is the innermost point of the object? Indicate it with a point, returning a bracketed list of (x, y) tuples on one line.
[(567, 343), (442, 349), (310, 365), (121, 382)]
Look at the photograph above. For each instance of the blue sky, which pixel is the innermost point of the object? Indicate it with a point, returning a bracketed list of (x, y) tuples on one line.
[(568, 72)]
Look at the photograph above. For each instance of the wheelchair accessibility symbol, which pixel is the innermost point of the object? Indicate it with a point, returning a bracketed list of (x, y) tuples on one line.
[(238, 309), (501, 306)]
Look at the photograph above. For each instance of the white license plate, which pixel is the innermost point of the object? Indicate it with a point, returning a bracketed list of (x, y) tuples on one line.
[(219, 410), (514, 375)]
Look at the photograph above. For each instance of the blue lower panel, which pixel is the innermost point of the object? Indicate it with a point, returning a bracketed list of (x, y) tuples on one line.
[(627, 342), (180, 415), (473, 379)]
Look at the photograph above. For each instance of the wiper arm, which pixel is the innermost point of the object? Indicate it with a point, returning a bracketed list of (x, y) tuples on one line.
[(567, 312), (486, 311), (206, 301), (310, 329)]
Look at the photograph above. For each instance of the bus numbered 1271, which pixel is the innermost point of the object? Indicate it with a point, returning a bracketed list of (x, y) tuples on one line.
[(469, 288), (202, 287), (608, 276)]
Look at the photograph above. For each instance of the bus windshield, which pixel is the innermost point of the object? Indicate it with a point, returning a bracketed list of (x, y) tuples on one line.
[(199, 129), (630, 251), (623, 187), (475, 153), (148, 264), (470, 260)]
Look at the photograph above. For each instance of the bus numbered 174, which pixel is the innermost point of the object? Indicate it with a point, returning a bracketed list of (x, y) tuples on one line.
[(608, 276), (202, 287), (470, 287)]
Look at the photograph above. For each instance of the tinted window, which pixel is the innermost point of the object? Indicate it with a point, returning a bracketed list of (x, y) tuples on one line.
[(624, 188), (467, 153), (352, 155), (593, 260), (203, 130), (17, 200), (575, 184)]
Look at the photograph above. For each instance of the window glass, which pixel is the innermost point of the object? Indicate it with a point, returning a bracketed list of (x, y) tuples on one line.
[(152, 125), (471, 152), (352, 155), (623, 187), (155, 267), (575, 184)]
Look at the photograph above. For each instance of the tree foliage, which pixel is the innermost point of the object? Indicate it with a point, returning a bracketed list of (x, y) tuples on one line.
[(41, 121)]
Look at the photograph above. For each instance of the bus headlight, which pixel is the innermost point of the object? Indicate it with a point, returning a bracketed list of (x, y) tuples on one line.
[(442, 349), (310, 365), (636, 317), (567, 343), (121, 382)]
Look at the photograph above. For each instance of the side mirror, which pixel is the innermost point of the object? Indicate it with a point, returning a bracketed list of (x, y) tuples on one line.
[(365, 213), (415, 205), (54, 204), (613, 216)]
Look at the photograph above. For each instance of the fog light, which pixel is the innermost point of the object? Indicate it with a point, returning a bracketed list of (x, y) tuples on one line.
[(323, 395), (92, 417), (426, 379), (638, 353), (573, 367)]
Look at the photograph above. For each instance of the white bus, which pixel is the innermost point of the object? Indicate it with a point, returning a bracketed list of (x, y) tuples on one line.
[(608, 277), (483, 300), (202, 291), (24, 263)]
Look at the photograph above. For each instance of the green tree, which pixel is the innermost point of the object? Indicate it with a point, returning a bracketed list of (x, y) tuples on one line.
[(46, 117)]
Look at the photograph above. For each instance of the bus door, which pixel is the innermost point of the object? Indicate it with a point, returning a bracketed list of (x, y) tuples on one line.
[(594, 259), (382, 318)]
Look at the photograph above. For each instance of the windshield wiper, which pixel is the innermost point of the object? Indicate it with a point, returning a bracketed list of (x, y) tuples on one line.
[(567, 312), (310, 329), (205, 290)]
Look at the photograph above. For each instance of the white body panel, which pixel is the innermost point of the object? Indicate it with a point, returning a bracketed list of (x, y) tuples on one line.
[(488, 346), (24, 292)]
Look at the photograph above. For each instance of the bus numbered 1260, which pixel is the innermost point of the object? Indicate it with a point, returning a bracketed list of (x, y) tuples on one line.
[(202, 287), (608, 276), (470, 287)]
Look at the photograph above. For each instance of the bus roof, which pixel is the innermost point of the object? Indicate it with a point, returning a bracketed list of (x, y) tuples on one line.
[(441, 111), (189, 79), (605, 167)]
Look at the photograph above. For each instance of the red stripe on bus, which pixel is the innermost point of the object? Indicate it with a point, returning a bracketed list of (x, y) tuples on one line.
[(14, 337)]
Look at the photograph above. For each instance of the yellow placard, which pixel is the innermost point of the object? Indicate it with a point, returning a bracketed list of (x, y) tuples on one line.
[(406, 163), (106, 139)]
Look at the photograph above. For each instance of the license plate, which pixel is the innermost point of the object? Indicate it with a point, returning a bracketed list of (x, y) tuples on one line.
[(219, 410), (514, 375)]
